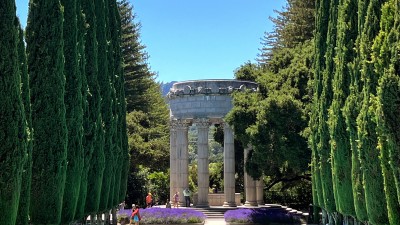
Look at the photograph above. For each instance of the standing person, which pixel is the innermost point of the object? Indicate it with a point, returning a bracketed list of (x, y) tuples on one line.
[(149, 200), (176, 199), (135, 217), (187, 193)]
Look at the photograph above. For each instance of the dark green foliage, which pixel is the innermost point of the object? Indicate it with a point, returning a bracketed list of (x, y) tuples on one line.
[(13, 136), (340, 144), (47, 81), (74, 111), (23, 209)]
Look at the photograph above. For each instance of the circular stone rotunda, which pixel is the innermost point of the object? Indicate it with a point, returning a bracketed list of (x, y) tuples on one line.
[(204, 103)]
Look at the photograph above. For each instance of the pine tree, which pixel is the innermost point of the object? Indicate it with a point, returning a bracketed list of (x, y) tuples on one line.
[(46, 70), (74, 112), (13, 134), (23, 209)]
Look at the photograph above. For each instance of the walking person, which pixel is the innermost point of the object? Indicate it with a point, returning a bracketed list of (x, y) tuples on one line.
[(135, 217), (187, 193), (176, 199)]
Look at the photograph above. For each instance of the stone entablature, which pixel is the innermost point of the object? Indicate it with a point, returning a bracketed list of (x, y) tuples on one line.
[(210, 87), (204, 98)]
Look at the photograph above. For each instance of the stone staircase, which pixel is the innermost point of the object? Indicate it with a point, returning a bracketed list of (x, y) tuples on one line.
[(214, 212), (218, 212)]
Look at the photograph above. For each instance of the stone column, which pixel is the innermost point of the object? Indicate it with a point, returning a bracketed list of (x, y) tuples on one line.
[(182, 170), (203, 162), (229, 166), (249, 183), (172, 159), (260, 191)]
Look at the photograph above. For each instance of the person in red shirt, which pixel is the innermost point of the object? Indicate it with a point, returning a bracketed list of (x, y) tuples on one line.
[(149, 200), (135, 217)]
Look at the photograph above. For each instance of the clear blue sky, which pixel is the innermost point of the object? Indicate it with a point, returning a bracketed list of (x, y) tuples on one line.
[(198, 39)]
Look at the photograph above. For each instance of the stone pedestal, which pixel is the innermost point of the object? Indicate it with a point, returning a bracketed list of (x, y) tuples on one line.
[(202, 167), (229, 166)]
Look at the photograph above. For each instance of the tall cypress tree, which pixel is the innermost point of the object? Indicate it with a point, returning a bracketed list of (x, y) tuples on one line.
[(23, 209), (340, 145), (12, 115), (94, 135), (369, 155), (351, 111), (321, 21), (106, 96), (74, 112), (45, 48), (119, 111), (382, 53), (81, 25), (325, 102)]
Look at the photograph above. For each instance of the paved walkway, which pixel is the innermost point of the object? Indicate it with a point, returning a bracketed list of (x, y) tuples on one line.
[(215, 221)]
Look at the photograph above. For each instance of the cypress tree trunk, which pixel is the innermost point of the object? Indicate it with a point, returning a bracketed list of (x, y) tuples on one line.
[(74, 112), (369, 156), (23, 209), (340, 145), (12, 116), (94, 137), (46, 69), (106, 99)]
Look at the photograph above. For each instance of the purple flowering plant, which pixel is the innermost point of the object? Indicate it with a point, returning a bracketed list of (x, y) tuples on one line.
[(166, 215), (260, 216)]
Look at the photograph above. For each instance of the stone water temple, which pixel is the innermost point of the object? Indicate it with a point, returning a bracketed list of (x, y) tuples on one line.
[(204, 103)]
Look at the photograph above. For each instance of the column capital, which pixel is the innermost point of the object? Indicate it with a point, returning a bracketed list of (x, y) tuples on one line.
[(182, 124), (202, 122)]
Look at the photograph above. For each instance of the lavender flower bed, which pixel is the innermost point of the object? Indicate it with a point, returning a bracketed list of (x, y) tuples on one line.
[(260, 216), (166, 216)]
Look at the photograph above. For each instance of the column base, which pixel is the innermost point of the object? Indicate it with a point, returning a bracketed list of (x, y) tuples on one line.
[(250, 203), (229, 204)]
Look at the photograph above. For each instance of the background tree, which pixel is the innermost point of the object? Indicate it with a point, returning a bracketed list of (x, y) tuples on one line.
[(13, 134), (47, 79), (147, 112)]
